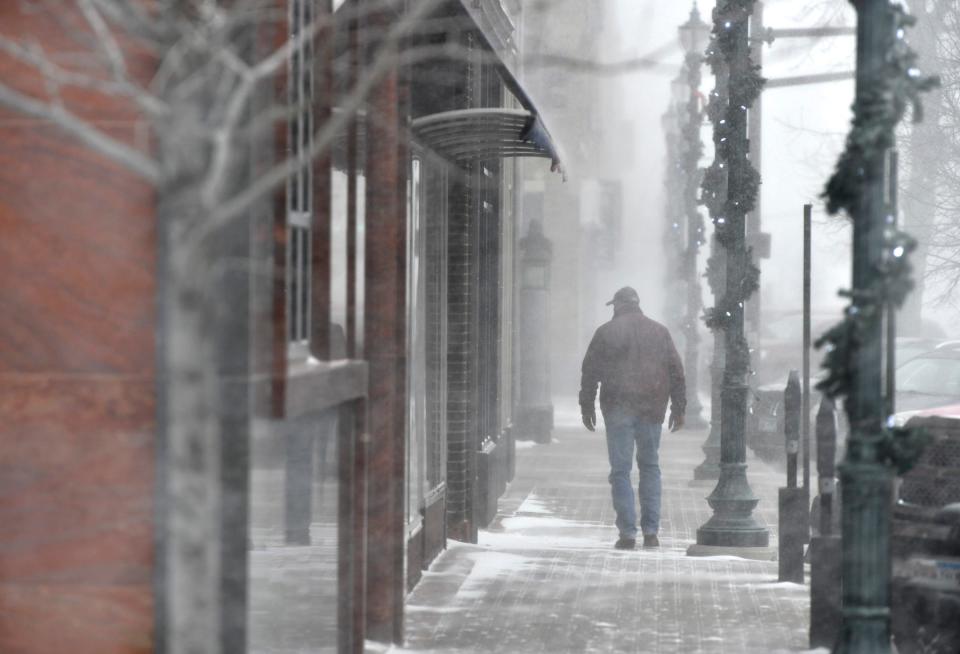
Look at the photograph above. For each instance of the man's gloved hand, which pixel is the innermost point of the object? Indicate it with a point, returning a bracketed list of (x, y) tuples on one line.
[(589, 418), (676, 421)]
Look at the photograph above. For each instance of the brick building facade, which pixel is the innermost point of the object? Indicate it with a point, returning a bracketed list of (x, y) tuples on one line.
[(362, 347)]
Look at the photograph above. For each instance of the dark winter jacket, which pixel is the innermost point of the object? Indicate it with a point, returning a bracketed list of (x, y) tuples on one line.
[(636, 364)]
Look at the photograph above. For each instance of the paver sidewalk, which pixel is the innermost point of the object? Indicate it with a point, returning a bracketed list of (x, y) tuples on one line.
[(545, 578)]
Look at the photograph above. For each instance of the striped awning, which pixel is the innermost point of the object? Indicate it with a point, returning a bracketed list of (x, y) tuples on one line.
[(469, 134)]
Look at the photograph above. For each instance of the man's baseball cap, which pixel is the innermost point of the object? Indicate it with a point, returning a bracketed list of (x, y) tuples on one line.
[(625, 295)]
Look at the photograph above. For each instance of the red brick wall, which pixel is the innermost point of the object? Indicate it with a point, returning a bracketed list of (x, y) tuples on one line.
[(77, 404)]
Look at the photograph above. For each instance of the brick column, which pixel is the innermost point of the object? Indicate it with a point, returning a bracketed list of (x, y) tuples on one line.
[(385, 350), (461, 362)]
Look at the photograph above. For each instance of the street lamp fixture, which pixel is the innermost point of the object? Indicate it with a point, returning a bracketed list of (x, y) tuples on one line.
[(694, 34)]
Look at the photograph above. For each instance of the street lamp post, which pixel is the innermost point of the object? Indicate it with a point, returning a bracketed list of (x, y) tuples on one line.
[(733, 501), (694, 36), (713, 192), (673, 240), (535, 410), (887, 81)]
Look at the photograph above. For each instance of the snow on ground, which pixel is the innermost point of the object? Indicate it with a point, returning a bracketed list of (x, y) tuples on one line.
[(566, 413), (533, 504), (544, 577)]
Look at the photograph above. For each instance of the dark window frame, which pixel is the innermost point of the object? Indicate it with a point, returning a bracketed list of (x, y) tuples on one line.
[(299, 189)]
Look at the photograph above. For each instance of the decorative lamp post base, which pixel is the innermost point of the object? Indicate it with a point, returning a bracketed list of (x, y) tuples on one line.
[(732, 523), (867, 489), (709, 469), (535, 423), (693, 419)]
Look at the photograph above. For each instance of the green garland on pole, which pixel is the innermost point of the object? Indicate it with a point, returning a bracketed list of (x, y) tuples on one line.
[(732, 500), (877, 112), (714, 182), (721, 194), (884, 104)]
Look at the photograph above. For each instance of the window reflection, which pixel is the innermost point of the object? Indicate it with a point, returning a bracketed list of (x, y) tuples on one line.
[(293, 536)]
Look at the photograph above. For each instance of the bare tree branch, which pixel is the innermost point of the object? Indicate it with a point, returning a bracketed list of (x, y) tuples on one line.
[(385, 59), (107, 44), (35, 57), (83, 131)]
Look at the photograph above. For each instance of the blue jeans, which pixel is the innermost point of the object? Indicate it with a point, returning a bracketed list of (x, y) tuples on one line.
[(623, 430)]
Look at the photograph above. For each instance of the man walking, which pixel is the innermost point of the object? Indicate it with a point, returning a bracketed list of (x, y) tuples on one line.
[(636, 364)]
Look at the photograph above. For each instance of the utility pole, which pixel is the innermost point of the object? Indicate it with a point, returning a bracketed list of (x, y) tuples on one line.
[(761, 35), (887, 81), (733, 501)]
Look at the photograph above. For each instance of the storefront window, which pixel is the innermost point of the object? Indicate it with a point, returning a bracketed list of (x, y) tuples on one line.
[(340, 262), (416, 338)]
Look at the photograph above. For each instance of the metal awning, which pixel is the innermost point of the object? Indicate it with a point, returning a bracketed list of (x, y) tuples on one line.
[(468, 134)]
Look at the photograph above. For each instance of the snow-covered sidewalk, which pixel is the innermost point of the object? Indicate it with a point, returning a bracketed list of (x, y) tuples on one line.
[(545, 578)]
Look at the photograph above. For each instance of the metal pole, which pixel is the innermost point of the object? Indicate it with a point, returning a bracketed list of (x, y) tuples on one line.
[(855, 360), (733, 501), (691, 179), (891, 376), (712, 198), (709, 469), (865, 479), (673, 241), (755, 137), (805, 411)]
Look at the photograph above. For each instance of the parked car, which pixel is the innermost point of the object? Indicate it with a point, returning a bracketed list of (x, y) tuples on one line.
[(781, 344), (765, 418), (929, 385), (925, 543)]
